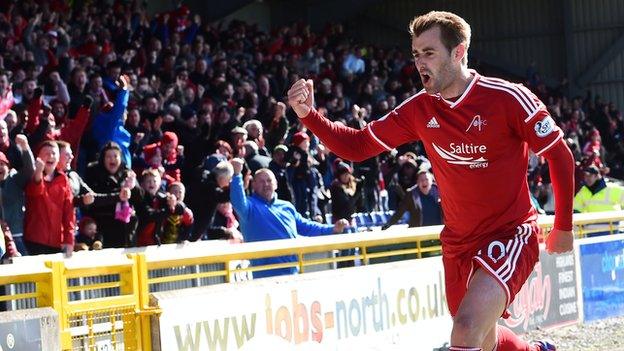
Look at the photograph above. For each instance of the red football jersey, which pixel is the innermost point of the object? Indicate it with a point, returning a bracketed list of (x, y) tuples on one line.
[(478, 146)]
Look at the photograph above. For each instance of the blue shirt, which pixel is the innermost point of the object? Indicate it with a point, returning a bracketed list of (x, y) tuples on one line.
[(108, 126), (431, 214), (262, 220)]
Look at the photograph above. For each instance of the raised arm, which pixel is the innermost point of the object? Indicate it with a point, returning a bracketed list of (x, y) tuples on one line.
[(28, 161), (61, 88), (237, 191), (352, 144), (348, 143)]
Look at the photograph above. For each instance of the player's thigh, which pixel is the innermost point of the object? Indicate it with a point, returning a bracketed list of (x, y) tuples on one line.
[(510, 260), (456, 273), (483, 303)]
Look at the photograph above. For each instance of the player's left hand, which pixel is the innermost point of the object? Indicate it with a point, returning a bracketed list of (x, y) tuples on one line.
[(559, 241)]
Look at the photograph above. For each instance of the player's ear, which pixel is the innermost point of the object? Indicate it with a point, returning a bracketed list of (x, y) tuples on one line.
[(459, 52)]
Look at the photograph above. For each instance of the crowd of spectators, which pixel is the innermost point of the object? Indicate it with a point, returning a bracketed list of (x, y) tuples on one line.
[(130, 117)]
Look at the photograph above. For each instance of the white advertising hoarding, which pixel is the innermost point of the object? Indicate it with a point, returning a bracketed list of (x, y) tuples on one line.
[(383, 307)]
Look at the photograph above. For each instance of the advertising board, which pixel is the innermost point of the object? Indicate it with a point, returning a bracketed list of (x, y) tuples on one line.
[(602, 276), (392, 304)]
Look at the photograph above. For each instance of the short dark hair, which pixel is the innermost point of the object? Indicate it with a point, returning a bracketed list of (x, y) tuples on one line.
[(47, 143), (77, 70), (85, 221), (113, 64), (111, 145)]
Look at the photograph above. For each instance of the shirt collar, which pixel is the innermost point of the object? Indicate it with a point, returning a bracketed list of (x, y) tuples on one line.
[(453, 104), (260, 198)]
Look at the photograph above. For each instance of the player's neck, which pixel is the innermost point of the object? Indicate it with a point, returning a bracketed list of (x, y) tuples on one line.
[(459, 84)]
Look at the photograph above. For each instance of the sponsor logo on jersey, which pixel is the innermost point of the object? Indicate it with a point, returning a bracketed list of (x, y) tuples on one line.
[(470, 155), (477, 122), (544, 127), (433, 123)]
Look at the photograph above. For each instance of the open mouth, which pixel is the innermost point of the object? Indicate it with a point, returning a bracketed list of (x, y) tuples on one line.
[(425, 78)]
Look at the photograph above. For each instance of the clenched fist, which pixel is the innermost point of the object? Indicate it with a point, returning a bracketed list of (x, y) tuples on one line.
[(237, 164), (22, 142), (301, 97)]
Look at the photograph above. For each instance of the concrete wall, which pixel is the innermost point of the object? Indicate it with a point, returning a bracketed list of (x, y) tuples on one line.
[(33, 329)]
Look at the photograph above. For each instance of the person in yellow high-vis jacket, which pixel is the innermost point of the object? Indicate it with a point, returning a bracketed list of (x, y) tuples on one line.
[(598, 196)]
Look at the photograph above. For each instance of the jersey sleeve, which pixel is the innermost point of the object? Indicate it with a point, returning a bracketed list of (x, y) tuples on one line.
[(396, 127), (532, 121)]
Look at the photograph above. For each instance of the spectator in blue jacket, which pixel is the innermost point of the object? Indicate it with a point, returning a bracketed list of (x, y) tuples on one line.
[(109, 125), (264, 217)]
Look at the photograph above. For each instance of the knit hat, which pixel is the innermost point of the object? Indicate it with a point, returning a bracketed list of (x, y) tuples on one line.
[(299, 138), (170, 138), (149, 151)]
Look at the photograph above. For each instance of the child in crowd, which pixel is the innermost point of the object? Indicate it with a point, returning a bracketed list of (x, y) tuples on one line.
[(177, 228), (154, 208), (172, 156), (88, 237)]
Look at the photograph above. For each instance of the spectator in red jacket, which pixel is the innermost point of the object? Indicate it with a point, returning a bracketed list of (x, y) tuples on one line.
[(49, 222)]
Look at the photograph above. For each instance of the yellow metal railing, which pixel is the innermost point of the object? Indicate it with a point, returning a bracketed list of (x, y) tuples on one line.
[(103, 297)]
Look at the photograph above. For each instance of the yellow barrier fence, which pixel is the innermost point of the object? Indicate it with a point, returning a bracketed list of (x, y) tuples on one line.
[(103, 297)]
